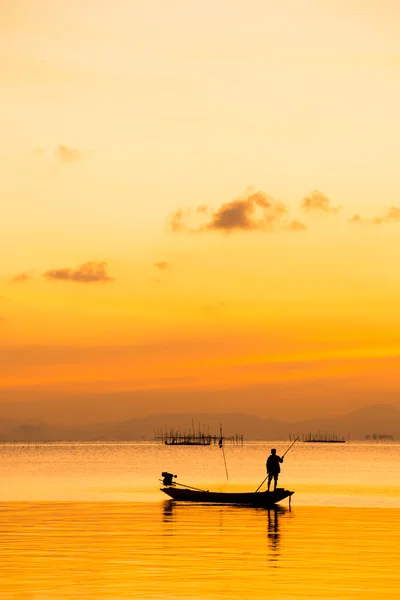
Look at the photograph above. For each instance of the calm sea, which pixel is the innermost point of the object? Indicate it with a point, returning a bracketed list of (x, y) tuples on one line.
[(88, 521)]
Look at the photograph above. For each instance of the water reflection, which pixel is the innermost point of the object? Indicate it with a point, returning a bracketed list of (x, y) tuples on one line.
[(66, 551), (273, 534), (168, 507), (198, 519)]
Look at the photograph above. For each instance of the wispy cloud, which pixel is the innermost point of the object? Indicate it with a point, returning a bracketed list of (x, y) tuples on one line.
[(62, 155), (295, 226), (317, 201), (90, 272), (162, 265), (66, 155), (21, 278), (252, 211), (357, 219), (176, 221), (392, 214)]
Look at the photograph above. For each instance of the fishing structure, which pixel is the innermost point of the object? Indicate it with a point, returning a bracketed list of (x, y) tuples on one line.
[(176, 437), (320, 438)]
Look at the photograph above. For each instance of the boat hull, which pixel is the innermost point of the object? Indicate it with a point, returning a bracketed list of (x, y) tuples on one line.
[(263, 499)]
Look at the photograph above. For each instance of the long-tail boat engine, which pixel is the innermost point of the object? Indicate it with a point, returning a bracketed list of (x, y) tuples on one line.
[(167, 478)]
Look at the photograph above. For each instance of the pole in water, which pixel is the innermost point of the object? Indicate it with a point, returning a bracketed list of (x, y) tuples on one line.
[(221, 445), (290, 447), (264, 480)]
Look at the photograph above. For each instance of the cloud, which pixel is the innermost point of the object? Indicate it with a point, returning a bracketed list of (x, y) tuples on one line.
[(62, 154), (392, 214), (295, 226), (237, 214), (176, 224), (21, 278), (319, 202), (356, 219), (253, 211), (90, 272), (66, 155), (162, 265)]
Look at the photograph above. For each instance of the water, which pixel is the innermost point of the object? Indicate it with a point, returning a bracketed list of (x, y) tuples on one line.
[(88, 521)]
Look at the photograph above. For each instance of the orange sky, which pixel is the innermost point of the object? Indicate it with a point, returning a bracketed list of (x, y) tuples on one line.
[(200, 196)]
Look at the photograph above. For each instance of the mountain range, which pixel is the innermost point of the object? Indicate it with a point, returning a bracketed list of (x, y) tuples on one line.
[(379, 419)]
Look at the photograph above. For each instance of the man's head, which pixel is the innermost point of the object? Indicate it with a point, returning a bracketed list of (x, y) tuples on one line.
[(273, 451)]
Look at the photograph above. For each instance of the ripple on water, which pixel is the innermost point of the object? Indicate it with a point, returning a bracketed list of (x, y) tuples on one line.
[(119, 550)]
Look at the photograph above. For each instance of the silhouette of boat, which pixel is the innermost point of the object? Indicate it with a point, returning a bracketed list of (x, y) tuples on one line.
[(189, 494)]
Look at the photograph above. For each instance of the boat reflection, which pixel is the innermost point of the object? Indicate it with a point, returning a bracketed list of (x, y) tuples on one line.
[(168, 514), (273, 533), (232, 522), (171, 506)]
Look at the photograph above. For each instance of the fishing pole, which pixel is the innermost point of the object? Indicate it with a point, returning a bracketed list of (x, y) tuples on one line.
[(221, 445), (264, 480)]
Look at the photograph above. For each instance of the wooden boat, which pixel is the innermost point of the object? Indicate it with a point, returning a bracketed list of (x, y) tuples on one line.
[(186, 493), (262, 499)]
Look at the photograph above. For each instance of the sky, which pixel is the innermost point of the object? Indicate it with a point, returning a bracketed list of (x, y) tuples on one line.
[(201, 207)]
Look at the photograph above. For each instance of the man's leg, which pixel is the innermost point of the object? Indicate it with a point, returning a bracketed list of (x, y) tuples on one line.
[(269, 481), (275, 480)]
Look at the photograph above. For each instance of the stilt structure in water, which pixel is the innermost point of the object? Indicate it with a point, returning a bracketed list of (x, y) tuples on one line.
[(322, 438), (175, 437)]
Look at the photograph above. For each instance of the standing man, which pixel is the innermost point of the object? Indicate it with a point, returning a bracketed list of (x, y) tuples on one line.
[(273, 467)]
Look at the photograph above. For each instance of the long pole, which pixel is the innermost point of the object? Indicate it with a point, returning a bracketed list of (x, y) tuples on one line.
[(221, 445), (264, 480), (189, 487), (290, 447)]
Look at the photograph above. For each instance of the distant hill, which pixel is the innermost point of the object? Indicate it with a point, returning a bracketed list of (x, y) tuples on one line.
[(377, 418)]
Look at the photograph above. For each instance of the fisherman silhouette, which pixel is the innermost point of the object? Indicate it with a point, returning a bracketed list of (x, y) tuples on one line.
[(273, 468)]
